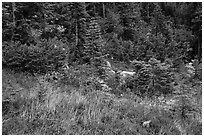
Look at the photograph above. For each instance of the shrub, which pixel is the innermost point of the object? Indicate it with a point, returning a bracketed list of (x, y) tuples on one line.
[(46, 55), (151, 78), (78, 76)]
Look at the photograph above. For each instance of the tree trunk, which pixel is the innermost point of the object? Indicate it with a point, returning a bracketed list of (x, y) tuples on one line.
[(14, 18), (104, 10), (199, 50), (76, 34), (94, 9), (148, 11)]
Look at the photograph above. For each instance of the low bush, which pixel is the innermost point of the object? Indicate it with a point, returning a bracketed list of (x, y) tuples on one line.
[(46, 55), (151, 78)]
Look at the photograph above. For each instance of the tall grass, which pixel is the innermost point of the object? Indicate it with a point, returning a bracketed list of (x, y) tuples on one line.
[(34, 106)]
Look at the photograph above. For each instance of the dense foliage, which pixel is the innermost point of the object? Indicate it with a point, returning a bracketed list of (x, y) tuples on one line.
[(102, 68), (45, 56), (126, 31), (152, 78)]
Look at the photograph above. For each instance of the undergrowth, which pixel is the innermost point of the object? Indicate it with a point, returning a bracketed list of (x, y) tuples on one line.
[(36, 105)]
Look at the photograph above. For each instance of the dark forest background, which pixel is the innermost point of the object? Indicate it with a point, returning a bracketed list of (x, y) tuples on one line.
[(125, 31)]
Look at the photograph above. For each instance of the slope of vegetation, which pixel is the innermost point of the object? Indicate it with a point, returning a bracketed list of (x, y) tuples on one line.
[(32, 105), (101, 68)]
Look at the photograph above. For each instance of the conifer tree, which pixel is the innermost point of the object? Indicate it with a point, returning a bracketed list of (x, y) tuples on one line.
[(93, 38)]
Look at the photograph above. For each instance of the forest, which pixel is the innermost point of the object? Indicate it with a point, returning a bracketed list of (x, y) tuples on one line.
[(101, 68)]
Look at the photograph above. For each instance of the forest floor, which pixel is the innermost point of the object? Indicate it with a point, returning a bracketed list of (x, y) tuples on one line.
[(34, 106)]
